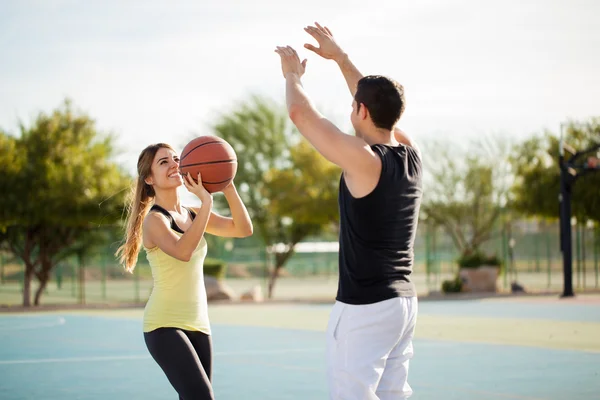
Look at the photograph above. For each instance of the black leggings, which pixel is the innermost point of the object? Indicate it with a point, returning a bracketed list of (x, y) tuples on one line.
[(186, 359)]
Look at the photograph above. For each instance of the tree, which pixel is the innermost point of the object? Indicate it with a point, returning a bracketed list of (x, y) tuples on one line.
[(466, 190), (289, 189), (537, 185), (59, 186), (542, 178), (304, 197)]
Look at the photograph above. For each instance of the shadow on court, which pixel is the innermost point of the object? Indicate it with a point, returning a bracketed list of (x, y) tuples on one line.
[(77, 356)]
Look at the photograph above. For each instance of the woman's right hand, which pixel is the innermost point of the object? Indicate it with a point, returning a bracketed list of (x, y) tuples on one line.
[(197, 188)]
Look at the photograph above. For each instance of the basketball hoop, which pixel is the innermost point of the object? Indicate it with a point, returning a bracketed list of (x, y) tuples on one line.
[(570, 171)]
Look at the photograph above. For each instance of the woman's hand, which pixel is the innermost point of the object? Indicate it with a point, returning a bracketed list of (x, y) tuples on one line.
[(197, 188)]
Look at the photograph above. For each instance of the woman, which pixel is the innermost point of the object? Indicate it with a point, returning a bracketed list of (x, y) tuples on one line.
[(176, 325)]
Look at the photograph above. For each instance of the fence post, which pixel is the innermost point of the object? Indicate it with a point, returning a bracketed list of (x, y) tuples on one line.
[(81, 278), (266, 269), (506, 255), (548, 255), (537, 251), (436, 260), (59, 276), (73, 283), (578, 253), (22, 281), (103, 282), (1, 267), (596, 250), (427, 255), (583, 261)]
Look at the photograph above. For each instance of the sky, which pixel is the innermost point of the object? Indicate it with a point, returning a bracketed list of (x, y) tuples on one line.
[(151, 71)]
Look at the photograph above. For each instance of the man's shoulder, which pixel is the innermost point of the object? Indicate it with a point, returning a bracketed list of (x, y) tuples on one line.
[(406, 140), (402, 151)]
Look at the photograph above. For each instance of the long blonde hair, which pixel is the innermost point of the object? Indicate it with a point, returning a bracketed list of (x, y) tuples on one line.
[(139, 203)]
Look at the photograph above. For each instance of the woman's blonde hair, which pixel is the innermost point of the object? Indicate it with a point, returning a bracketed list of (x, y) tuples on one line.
[(139, 203)]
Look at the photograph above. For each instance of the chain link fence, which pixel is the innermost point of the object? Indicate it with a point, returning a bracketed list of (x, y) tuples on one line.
[(530, 251)]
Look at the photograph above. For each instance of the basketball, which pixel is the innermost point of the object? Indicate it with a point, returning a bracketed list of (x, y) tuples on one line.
[(213, 157)]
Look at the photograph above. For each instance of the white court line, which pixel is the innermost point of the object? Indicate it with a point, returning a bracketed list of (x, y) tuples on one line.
[(480, 392), (259, 352), (143, 357), (58, 322), (73, 359)]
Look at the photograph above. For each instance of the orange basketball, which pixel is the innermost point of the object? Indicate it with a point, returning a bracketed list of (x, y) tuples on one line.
[(213, 157)]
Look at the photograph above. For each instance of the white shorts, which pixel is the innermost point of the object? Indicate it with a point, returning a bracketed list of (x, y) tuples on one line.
[(369, 348)]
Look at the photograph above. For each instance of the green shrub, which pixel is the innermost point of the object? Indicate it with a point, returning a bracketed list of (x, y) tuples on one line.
[(215, 268), (493, 261), (477, 259), (452, 286)]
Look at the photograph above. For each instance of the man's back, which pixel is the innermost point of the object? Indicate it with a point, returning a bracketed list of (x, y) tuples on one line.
[(371, 326), (377, 231)]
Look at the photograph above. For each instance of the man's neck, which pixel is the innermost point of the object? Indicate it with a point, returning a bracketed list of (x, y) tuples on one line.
[(380, 136)]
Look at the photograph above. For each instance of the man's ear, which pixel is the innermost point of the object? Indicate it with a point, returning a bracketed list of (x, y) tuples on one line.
[(363, 113)]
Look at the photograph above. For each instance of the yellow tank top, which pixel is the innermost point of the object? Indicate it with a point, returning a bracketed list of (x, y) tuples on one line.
[(178, 297)]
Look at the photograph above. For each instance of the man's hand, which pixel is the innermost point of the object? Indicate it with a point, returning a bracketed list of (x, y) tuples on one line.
[(290, 62), (328, 48)]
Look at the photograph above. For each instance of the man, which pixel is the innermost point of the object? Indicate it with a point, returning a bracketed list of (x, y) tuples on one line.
[(370, 330)]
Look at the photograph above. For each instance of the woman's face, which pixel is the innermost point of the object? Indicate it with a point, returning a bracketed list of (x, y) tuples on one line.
[(165, 170)]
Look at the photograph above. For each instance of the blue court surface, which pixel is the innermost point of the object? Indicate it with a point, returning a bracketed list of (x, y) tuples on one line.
[(98, 356)]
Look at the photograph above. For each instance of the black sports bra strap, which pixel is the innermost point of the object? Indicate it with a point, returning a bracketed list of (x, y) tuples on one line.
[(169, 217), (191, 211)]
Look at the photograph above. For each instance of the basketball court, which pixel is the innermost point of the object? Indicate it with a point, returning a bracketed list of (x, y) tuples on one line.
[(524, 348)]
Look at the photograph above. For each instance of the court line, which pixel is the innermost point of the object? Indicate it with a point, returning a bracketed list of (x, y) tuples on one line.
[(482, 392), (415, 383), (259, 352), (147, 356), (72, 359), (282, 366), (58, 322), (254, 352)]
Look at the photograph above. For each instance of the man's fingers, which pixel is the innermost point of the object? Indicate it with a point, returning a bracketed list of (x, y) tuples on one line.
[(324, 30), (311, 48), (282, 51), (314, 32), (320, 27), (311, 31), (289, 55), (293, 53)]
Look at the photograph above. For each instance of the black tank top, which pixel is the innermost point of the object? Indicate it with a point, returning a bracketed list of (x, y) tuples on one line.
[(377, 231)]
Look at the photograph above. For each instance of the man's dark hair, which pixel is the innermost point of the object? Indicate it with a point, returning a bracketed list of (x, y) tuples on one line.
[(383, 97)]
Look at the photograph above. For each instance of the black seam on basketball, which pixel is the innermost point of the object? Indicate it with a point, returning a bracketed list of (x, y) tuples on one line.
[(206, 163), (216, 183), (200, 145)]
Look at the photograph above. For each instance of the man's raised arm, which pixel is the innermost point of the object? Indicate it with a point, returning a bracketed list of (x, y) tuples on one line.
[(330, 50)]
